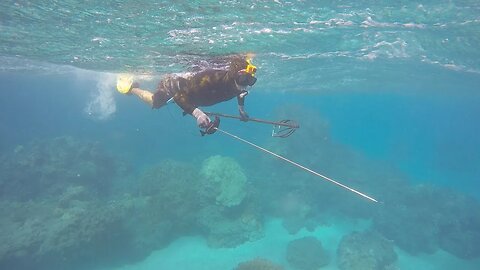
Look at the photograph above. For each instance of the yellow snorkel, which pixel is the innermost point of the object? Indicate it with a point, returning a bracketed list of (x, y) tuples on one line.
[(246, 76), (250, 69)]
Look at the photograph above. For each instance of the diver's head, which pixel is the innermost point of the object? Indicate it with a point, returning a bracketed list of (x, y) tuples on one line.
[(246, 76)]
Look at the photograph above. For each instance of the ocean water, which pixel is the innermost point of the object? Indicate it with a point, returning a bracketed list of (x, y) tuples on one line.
[(385, 93)]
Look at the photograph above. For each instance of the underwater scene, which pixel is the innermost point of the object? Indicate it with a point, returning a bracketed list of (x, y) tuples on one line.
[(357, 146)]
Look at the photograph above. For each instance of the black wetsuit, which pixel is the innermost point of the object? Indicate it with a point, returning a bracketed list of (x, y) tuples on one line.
[(205, 88)]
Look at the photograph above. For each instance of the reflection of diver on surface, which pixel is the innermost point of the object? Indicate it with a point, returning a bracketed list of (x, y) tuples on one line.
[(204, 88)]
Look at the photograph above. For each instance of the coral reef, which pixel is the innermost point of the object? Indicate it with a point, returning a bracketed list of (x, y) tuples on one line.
[(57, 205), (408, 220), (178, 201), (230, 214), (365, 251), (48, 167), (63, 205), (296, 213), (171, 188), (258, 264), (422, 218), (319, 199), (224, 178), (66, 234), (225, 228), (307, 253), (459, 230), (170, 201), (419, 219)]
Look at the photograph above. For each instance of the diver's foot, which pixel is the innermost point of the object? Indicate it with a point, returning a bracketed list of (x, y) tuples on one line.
[(125, 84), (135, 85)]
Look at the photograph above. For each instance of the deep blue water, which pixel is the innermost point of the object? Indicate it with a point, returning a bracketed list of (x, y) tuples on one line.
[(386, 95)]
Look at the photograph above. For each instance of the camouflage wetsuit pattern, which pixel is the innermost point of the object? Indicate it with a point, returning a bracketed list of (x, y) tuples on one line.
[(205, 88)]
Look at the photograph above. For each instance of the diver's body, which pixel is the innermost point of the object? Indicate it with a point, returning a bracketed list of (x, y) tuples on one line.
[(205, 88)]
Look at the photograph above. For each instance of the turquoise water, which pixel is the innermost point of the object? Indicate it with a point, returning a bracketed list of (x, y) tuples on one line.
[(386, 95)]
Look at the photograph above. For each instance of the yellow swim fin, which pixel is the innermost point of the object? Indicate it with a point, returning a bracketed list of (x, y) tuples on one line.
[(124, 83)]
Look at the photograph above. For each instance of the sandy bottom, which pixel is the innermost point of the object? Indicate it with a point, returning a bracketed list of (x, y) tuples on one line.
[(192, 253)]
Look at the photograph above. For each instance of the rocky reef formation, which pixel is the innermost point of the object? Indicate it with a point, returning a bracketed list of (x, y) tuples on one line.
[(223, 178), (418, 218), (72, 230), (63, 205), (423, 218), (48, 167), (223, 227), (307, 253), (58, 207), (365, 251), (304, 200), (258, 264), (168, 192), (297, 213), (179, 200), (230, 215)]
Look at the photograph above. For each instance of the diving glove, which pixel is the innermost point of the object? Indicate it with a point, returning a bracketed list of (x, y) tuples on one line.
[(212, 127), (202, 119)]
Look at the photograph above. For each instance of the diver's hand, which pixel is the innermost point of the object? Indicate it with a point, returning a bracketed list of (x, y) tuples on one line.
[(202, 119), (243, 115), (212, 127)]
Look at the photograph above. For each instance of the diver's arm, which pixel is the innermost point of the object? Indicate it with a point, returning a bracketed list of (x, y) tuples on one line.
[(182, 100), (241, 106)]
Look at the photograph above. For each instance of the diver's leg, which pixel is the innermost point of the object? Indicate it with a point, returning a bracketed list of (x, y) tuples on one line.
[(144, 95)]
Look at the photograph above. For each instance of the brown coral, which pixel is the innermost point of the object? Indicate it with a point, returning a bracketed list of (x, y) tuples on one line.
[(307, 253), (258, 264), (365, 251)]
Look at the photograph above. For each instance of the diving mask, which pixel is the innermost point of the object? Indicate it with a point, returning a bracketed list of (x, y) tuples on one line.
[(246, 77)]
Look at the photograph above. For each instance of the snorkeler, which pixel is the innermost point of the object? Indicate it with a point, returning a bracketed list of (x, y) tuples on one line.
[(204, 88), (213, 86)]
